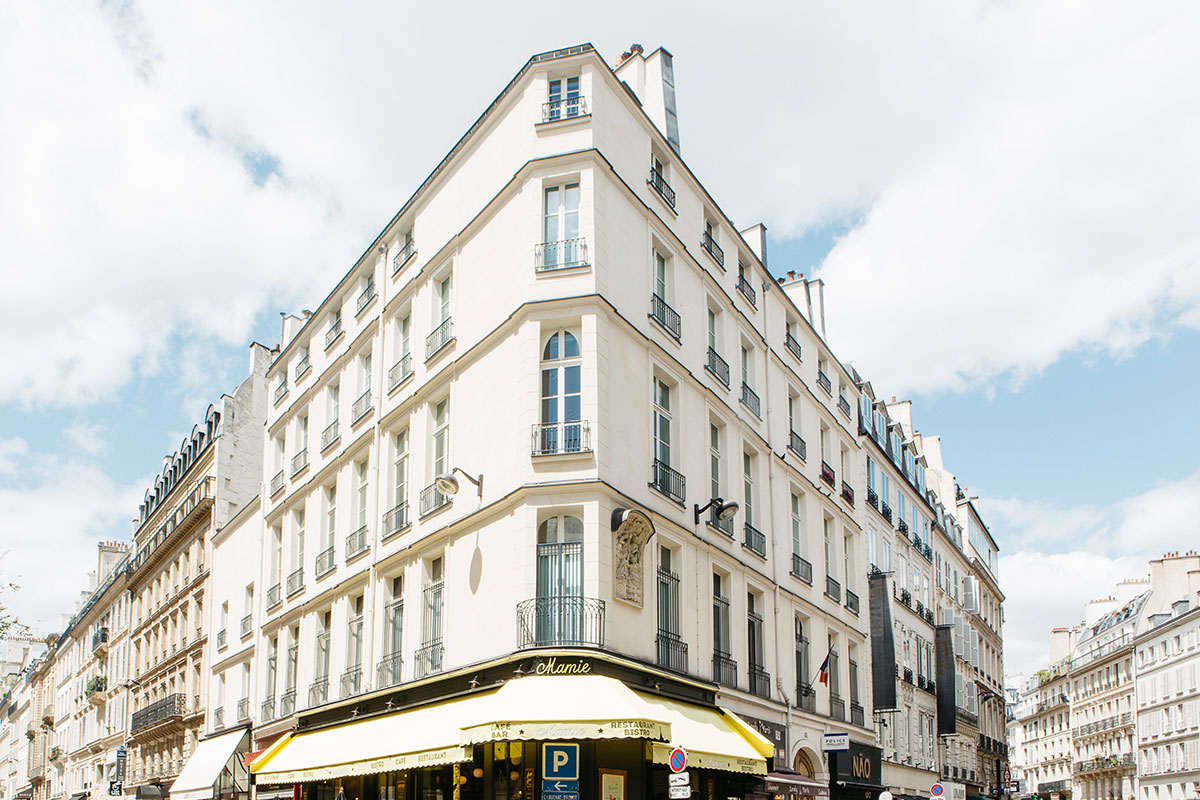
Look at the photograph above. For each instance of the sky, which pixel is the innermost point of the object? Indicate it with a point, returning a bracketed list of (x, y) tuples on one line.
[(1001, 198)]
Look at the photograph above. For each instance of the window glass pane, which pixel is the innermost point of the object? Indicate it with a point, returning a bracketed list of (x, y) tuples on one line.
[(570, 345), (551, 351)]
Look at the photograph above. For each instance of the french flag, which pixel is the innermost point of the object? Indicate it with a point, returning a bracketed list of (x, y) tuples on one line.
[(823, 674)]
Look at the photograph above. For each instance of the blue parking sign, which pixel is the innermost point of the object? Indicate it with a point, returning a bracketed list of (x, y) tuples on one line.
[(560, 762)]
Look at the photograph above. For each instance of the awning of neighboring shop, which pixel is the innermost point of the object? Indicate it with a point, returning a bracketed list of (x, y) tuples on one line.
[(792, 784), (148, 791), (79, 796), (209, 760), (274, 792)]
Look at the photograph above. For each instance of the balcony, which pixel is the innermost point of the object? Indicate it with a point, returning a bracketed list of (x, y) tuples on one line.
[(325, 561), (218, 718), (100, 641), (560, 438), (837, 707), (760, 681), (243, 709), (431, 499), (429, 658), (366, 296), (170, 708), (724, 669), (221, 637), (712, 248), (660, 185), (827, 474), (908, 675), (717, 367), (856, 714), (565, 254), (750, 400), (267, 711), (847, 493), (667, 481), (747, 290), (672, 651), (872, 498), (797, 445), (725, 526), (400, 372), (396, 519), (886, 510), (844, 406), (754, 540), (287, 703), (801, 569), (407, 252), (96, 688), (357, 544), (560, 621), (792, 345), (330, 436), (388, 672), (567, 108), (852, 602), (334, 333), (362, 407), (833, 589), (351, 683), (664, 315), (274, 596), (1105, 763), (295, 582), (902, 527), (906, 597), (807, 697), (299, 462), (442, 335), (318, 692), (281, 391), (246, 626), (302, 367), (277, 483), (823, 382)]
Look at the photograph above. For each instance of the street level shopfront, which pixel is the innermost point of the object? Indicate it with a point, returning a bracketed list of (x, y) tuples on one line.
[(555, 726), (856, 774)]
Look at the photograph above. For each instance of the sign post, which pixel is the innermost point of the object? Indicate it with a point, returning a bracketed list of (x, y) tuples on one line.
[(936, 790), (679, 785), (560, 771)]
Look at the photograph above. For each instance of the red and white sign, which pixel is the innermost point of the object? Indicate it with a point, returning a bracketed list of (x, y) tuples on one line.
[(678, 760), (936, 790)]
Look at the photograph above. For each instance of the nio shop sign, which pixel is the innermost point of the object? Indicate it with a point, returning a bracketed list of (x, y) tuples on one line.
[(858, 771)]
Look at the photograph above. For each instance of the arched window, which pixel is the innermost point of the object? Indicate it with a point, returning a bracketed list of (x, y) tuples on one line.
[(559, 606), (561, 430)]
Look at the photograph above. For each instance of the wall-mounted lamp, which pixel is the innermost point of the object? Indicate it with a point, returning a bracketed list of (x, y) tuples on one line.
[(723, 510), (447, 484)]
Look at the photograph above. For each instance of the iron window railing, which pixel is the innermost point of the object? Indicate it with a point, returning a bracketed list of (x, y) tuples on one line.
[(218, 718), (362, 406), (173, 706), (356, 543), (429, 659), (287, 703), (823, 382), (808, 697), (243, 709), (717, 366), (366, 296), (330, 435), (299, 461), (389, 670), (431, 499), (827, 473), (760, 681), (221, 636), (847, 493), (396, 519), (902, 526), (274, 595), (792, 345), (295, 582), (277, 483), (851, 602), (334, 333), (667, 481), (302, 367), (664, 315), (801, 568), (754, 540), (564, 254), (566, 108), (318, 692), (856, 714), (247, 625), (281, 391), (725, 526), (873, 498), (351, 682), (672, 651), (833, 589), (837, 707), (661, 186), (400, 372), (750, 399), (267, 712), (844, 406), (99, 639), (711, 246), (325, 561), (560, 621), (797, 445), (408, 251), (886, 510), (724, 669), (557, 438), (747, 290), (442, 335)]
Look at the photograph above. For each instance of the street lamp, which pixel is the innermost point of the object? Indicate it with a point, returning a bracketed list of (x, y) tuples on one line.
[(724, 511), (447, 484)]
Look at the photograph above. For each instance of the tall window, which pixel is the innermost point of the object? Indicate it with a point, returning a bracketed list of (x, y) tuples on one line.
[(827, 525), (272, 666), (393, 631), (662, 278), (404, 337), (302, 433), (400, 472), (561, 429), (354, 637), (322, 660), (793, 413), (672, 651), (298, 539), (754, 632), (443, 299), (441, 437), (803, 679), (560, 227), (848, 561), (662, 422), (293, 662), (724, 667), (797, 527), (714, 459), (714, 341), (429, 659), (276, 555), (748, 486), (559, 616), (364, 374), (360, 494), (747, 367), (330, 517), (564, 99), (331, 405)]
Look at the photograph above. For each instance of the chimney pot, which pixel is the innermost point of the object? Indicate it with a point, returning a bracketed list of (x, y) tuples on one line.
[(781, 280)]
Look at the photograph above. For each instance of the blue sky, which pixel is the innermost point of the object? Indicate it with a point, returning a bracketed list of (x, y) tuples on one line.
[(1001, 202)]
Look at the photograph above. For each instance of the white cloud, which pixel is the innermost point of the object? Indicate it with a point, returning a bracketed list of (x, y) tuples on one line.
[(11, 452), (86, 438)]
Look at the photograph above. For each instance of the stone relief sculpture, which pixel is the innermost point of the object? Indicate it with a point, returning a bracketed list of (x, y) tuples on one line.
[(631, 530)]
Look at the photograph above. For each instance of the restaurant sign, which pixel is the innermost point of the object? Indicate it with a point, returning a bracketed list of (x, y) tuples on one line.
[(600, 729)]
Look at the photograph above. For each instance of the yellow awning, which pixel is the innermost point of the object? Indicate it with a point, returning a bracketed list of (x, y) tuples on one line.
[(420, 737), (713, 738)]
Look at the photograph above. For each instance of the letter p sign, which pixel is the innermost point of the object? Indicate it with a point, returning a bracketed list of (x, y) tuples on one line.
[(560, 762)]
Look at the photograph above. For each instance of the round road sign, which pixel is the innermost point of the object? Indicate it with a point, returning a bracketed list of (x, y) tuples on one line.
[(678, 760), (936, 790)]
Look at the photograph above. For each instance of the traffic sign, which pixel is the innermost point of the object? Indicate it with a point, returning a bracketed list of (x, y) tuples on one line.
[(560, 762), (936, 790), (560, 786), (678, 760), (678, 779), (836, 743), (679, 792)]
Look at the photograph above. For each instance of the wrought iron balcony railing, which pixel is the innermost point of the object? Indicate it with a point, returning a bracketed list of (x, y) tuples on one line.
[(100, 640), (566, 108), (429, 658), (724, 669), (801, 568), (747, 290), (366, 296), (797, 445), (357, 543), (299, 462), (565, 254), (400, 372), (560, 438), (792, 345), (667, 481), (856, 714), (660, 185), (823, 382), (396, 519), (886, 510), (334, 333), (302, 367), (717, 366), (560, 621), (664, 315), (388, 673), (295, 582), (267, 712), (247, 625), (442, 335), (325, 561), (281, 391), (755, 541), (847, 493), (750, 400), (408, 251), (851, 602), (171, 707), (827, 474), (277, 483), (287, 703), (672, 651), (760, 681), (431, 499), (318, 691), (712, 248), (833, 589), (362, 407), (243, 709), (844, 406), (837, 707), (351, 683), (330, 435), (725, 526), (807, 696)]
